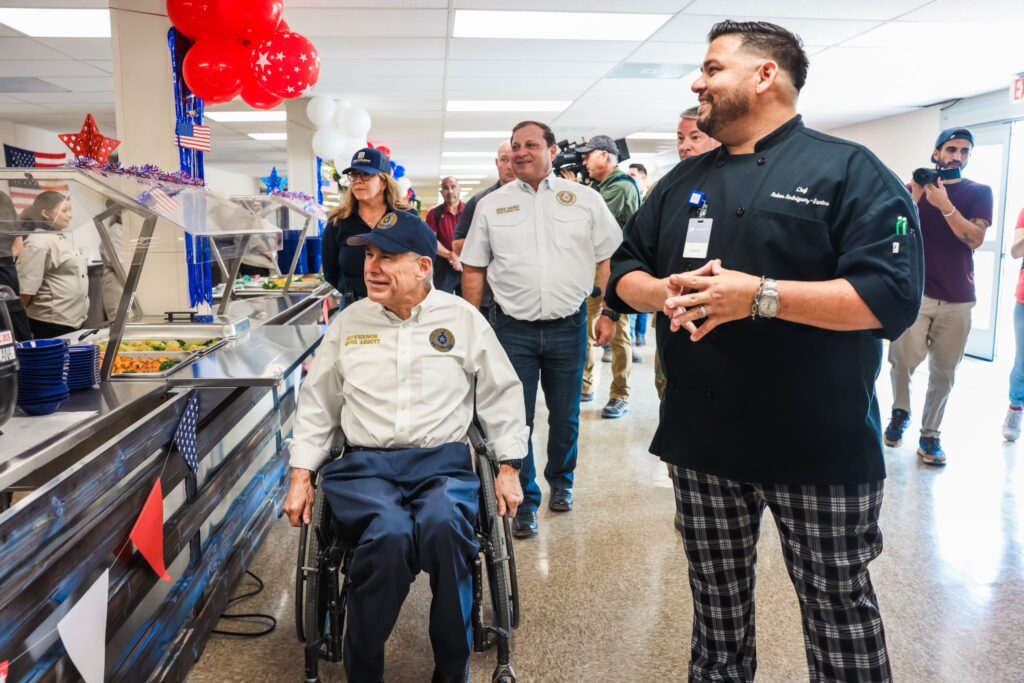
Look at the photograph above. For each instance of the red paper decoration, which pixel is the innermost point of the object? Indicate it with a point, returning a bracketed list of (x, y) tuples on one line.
[(148, 532), (250, 20), (286, 64), (89, 142), (213, 69)]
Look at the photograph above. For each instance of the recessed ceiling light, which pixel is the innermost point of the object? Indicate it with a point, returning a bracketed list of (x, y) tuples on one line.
[(556, 25), (268, 136), (651, 135), (58, 23), (508, 105), (476, 134), (467, 154), (245, 116)]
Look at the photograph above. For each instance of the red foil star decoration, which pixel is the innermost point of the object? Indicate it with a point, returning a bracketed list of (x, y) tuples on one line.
[(90, 142)]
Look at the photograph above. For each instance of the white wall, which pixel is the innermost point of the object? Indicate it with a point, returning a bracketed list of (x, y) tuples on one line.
[(30, 138), (903, 143), (229, 183)]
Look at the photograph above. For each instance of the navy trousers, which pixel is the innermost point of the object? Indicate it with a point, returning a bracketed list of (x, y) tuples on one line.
[(410, 510)]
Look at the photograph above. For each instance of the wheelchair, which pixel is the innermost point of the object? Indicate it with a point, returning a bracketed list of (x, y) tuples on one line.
[(321, 578)]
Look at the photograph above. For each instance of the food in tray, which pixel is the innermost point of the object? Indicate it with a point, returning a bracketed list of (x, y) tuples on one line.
[(124, 365), (173, 345)]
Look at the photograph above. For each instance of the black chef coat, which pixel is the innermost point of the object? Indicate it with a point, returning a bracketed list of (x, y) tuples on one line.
[(772, 401)]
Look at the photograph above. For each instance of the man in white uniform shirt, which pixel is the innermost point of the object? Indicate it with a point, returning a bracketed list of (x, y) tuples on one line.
[(398, 374), (537, 241)]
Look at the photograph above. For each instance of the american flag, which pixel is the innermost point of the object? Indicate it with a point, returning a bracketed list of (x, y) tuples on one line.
[(158, 200), (24, 192), (185, 436), (192, 136)]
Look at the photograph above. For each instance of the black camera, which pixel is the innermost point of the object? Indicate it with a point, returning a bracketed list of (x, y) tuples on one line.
[(931, 176), (569, 158)]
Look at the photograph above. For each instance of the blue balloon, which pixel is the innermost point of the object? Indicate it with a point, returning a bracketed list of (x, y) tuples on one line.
[(393, 165), (399, 171)]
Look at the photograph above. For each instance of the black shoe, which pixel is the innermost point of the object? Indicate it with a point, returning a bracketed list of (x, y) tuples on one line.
[(561, 500), (524, 525), (450, 678)]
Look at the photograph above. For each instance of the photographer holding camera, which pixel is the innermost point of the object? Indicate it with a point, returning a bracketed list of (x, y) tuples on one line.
[(955, 212), (600, 158)]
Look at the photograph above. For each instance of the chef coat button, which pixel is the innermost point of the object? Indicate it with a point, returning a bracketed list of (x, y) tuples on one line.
[(761, 161), (740, 211)]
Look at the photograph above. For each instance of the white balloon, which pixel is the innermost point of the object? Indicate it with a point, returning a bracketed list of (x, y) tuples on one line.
[(404, 183), (321, 111), (327, 143), (353, 122)]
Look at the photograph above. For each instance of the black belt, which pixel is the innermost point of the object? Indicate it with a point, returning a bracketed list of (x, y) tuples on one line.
[(375, 449), (497, 309)]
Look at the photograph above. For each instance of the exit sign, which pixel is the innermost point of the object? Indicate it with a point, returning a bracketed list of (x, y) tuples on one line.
[(1017, 90)]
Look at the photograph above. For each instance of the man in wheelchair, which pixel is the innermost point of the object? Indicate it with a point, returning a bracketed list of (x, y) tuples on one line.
[(399, 375)]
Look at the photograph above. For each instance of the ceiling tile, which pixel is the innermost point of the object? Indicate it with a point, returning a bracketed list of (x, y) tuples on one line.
[(397, 48), (694, 28), (1006, 11), (675, 52), (104, 66), (368, 4), (86, 84), (404, 23), (633, 7), (970, 36), (535, 70), (810, 9), (73, 100), (27, 48), (342, 86), (47, 68), (80, 48), (342, 68), (541, 50), (482, 87)]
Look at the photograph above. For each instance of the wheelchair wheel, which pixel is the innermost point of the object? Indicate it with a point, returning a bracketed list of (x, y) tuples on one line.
[(323, 605), (497, 568)]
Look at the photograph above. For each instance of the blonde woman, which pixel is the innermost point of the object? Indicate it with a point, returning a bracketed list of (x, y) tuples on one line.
[(52, 273), (372, 193)]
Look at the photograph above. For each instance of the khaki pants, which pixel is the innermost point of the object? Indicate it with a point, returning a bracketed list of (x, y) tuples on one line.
[(940, 334), (622, 354)]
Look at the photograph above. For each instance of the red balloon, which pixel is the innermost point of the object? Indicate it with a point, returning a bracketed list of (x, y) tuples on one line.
[(251, 20), (386, 151), (213, 69), (286, 64), (254, 95), (194, 18), (283, 26)]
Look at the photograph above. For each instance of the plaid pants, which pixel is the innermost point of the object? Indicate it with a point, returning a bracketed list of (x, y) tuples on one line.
[(829, 535)]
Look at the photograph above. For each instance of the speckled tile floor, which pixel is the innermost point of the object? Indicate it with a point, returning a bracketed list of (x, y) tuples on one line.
[(604, 589)]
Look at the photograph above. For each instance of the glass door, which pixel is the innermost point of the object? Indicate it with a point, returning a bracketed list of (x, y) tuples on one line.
[(988, 163)]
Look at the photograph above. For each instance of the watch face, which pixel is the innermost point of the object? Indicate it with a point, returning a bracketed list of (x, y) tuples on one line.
[(768, 306)]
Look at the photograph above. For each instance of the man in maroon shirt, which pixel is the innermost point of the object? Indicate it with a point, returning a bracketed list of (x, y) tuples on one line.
[(442, 219), (955, 212)]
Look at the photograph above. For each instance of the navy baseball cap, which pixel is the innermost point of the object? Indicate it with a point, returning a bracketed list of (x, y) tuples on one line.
[(954, 134), (370, 161), (399, 232), (602, 142)]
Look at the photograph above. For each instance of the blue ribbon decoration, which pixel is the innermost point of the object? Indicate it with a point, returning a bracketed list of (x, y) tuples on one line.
[(188, 107), (320, 190)]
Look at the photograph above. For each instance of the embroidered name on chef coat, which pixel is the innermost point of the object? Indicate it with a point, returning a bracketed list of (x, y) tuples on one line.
[(506, 209), (361, 339)]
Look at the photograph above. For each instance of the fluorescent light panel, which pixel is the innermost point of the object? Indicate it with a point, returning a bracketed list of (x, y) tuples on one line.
[(556, 25), (508, 105), (58, 23), (652, 135), (477, 134), (468, 167), (462, 176), (478, 155), (246, 116), (268, 136)]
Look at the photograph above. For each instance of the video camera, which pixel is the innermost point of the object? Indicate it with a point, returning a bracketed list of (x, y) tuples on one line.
[(931, 176), (569, 159)]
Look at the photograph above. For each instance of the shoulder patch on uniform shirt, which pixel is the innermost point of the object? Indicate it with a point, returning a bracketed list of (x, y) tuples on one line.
[(507, 209), (442, 340), (566, 198), (361, 339), (389, 220)]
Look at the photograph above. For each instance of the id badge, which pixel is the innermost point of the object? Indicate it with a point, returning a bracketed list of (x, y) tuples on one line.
[(698, 238)]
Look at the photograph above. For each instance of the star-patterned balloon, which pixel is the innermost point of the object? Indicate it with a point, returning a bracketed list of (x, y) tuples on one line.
[(275, 182), (286, 64), (89, 142)]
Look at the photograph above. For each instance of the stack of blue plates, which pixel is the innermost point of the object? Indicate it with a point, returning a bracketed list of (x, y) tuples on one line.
[(84, 369), (43, 375)]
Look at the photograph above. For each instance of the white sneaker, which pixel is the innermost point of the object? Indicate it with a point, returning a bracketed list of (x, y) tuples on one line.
[(1011, 425)]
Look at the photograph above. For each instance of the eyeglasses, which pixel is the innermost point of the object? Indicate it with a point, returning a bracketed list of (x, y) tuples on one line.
[(358, 176)]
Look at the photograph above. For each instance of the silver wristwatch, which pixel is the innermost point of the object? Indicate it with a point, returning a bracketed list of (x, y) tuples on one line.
[(766, 301)]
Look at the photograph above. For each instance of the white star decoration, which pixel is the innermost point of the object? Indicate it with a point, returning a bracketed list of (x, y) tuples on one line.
[(263, 61), (303, 56), (290, 89), (279, 56)]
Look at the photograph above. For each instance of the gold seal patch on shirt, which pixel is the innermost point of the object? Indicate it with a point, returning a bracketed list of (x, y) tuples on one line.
[(566, 198), (361, 339), (506, 209), (389, 220), (442, 340)]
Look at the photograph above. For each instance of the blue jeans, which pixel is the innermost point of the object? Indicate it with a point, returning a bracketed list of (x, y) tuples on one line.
[(553, 352), (1017, 374), (639, 324)]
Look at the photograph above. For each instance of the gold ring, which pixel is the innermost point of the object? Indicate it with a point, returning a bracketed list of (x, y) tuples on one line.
[(703, 311)]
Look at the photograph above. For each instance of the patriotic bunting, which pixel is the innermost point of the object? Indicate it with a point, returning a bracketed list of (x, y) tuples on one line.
[(83, 630), (148, 532)]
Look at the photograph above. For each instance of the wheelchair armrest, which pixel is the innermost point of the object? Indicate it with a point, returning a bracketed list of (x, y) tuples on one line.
[(479, 442)]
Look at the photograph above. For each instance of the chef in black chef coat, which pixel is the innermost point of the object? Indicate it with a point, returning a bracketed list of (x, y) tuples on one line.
[(779, 262)]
